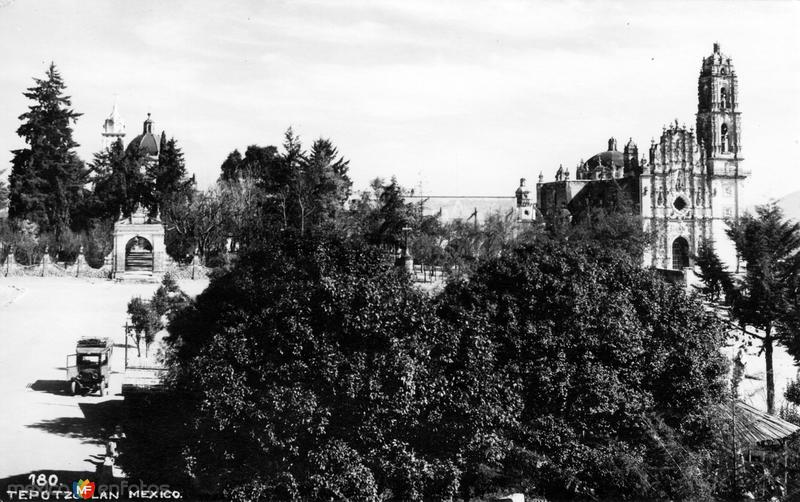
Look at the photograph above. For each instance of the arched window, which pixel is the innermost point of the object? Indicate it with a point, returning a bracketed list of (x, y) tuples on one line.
[(680, 253), (724, 138), (723, 95)]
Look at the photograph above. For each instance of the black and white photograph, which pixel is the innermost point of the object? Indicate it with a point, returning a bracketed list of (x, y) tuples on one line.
[(400, 250)]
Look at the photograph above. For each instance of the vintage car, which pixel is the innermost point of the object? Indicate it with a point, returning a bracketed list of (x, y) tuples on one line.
[(88, 368)]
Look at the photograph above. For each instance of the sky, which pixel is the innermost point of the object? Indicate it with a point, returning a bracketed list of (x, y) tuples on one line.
[(454, 98)]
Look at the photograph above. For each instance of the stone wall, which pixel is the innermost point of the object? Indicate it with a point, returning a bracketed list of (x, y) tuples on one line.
[(48, 268)]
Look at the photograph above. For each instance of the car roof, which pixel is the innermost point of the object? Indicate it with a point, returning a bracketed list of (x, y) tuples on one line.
[(92, 350), (91, 341), (94, 345)]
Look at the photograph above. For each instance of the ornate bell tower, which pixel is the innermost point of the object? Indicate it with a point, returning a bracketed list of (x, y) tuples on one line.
[(718, 115), (113, 128), (719, 134)]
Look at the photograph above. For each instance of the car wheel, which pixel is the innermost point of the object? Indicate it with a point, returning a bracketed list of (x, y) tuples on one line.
[(102, 388), (73, 388)]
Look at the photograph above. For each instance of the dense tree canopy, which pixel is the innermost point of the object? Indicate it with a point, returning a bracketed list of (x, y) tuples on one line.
[(301, 189), (330, 351), (601, 351), (314, 370), (125, 178), (257, 163)]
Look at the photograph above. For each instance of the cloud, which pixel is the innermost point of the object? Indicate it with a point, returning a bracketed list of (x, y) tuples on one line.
[(467, 95)]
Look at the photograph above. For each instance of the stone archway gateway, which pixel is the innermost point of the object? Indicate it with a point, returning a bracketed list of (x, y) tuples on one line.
[(138, 255), (139, 250)]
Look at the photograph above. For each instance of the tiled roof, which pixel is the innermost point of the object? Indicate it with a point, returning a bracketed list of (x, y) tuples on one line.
[(146, 142), (756, 427)]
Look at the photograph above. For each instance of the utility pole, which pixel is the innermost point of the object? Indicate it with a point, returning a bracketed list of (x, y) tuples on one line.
[(733, 441)]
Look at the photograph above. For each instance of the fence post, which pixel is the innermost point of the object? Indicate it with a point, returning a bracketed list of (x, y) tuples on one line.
[(79, 261), (44, 258), (11, 262)]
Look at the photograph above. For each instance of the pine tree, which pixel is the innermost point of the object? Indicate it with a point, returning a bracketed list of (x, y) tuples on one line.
[(47, 177), (768, 244), (110, 182), (167, 179), (326, 172), (716, 279), (285, 180)]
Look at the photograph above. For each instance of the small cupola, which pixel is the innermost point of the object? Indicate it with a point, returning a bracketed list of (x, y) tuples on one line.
[(148, 125)]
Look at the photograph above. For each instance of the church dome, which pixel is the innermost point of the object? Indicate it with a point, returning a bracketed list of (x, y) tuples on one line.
[(146, 141), (610, 157)]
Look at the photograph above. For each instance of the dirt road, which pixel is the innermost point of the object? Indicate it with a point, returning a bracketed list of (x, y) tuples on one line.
[(42, 429)]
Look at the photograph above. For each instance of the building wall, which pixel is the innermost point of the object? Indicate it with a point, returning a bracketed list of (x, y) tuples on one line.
[(451, 208), (555, 196)]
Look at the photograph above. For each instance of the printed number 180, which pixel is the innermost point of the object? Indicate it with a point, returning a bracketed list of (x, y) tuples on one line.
[(42, 480)]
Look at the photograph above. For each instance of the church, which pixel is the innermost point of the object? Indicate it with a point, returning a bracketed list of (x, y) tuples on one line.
[(114, 129), (139, 250), (685, 186)]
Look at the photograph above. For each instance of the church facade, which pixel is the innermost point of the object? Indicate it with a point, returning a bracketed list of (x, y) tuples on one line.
[(685, 187)]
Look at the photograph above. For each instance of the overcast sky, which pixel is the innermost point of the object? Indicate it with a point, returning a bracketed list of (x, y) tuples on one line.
[(461, 97)]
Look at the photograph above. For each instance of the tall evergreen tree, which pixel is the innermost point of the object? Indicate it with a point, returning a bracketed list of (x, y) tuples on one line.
[(47, 177), (286, 180), (768, 244), (326, 182), (119, 181), (169, 183), (717, 281), (106, 170)]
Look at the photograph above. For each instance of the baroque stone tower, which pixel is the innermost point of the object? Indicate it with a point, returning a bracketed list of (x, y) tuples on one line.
[(691, 185), (719, 131)]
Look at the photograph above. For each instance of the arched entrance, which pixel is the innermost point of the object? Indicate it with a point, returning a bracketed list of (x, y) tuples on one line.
[(138, 255), (680, 253)]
